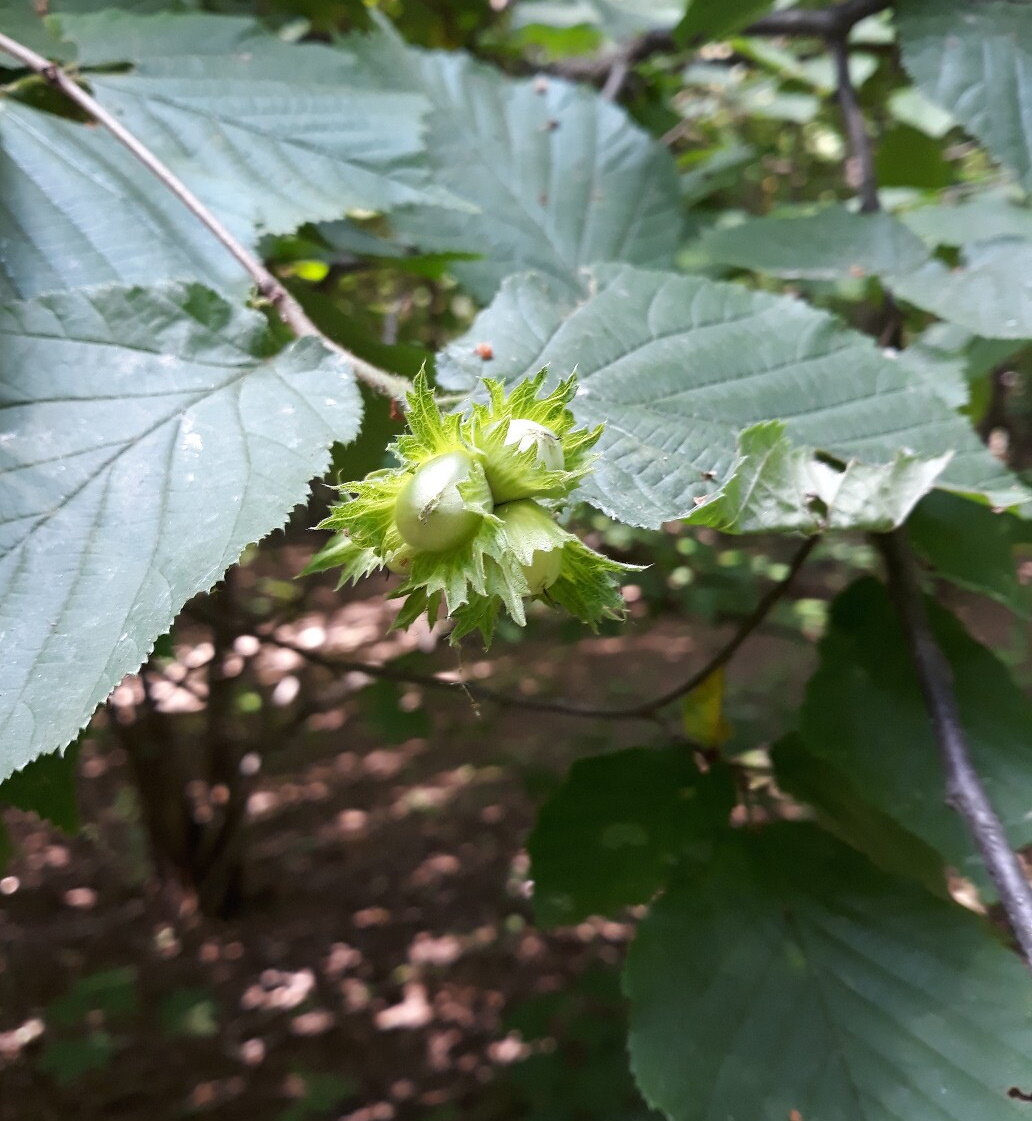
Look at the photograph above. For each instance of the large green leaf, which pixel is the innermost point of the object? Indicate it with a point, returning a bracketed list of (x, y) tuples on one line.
[(76, 209), (148, 436), (280, 134), (610, 835), (678, 366), (830, 243), (975, 59), (864, 715), (562, 177), (789, 978)]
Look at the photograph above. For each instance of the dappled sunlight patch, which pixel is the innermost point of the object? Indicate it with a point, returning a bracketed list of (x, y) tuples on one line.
[(414, 1011), (435, 868), (425, 949), (278, 990)]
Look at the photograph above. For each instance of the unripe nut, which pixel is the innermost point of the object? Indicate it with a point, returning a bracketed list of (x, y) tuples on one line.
[(529, 434), (430, 513), (400, 561), (524, 519), (543, 570), (510, 480)]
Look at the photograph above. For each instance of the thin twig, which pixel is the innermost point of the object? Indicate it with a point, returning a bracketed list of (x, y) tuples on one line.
[(288, 309), (430, 681), (745, 629), (644, 710), (964, 789)]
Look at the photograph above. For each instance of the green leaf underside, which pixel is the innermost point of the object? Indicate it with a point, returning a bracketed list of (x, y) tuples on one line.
[(985, 293), (986, 217), (619, 19), (561, 177), (833, 242), (147, 437), (864, 715), (611, 834), (777, 485), (678, 367), (789, 977), (78, 210), (271, 133), (975, 60)]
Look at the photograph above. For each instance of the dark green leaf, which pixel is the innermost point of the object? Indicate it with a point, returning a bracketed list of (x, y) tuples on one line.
[(905, 157), (790, 978), (46, 787), (189, 1012), (864, 716), (714, 19), (67, 1060), (611, 833), (112, 992), (972, 546), (844, 810)]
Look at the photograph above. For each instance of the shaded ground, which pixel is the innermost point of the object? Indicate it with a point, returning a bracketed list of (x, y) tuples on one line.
[(386, 954)]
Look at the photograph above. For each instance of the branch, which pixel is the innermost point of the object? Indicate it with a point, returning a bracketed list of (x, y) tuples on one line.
[(860, 169), (821, 23), (610, 69), (860, 173), (288, 309), (964, 789)]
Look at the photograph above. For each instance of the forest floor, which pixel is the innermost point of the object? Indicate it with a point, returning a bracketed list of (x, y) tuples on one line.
[(385, 964)]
